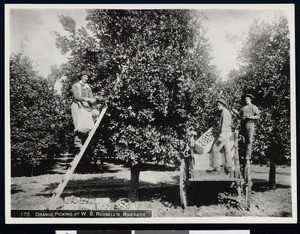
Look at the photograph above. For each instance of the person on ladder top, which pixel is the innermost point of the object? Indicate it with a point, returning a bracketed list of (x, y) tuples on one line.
[(224, 134), (248, 114), (83, 114)]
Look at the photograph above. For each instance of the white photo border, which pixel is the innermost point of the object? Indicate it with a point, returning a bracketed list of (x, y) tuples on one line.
[(290, 8)]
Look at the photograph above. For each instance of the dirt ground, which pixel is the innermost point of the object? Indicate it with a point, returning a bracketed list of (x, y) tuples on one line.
[(159, 191)]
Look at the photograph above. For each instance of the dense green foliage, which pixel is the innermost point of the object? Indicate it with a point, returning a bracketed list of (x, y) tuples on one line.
[(38, 118), (155, 66), (265, 72)]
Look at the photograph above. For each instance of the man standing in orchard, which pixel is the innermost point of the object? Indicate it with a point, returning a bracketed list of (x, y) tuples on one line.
[(224, 133), (249, 113), (83, 114)]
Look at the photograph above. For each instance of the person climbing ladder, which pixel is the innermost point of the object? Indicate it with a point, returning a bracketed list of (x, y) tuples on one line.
[(83, 114)]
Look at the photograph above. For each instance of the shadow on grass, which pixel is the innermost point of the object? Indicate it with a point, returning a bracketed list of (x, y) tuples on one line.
[(199, 193), (84, 169), (263, 185), (96, 187), (146, 166), (15, 189), (205, 193), (277, 173)]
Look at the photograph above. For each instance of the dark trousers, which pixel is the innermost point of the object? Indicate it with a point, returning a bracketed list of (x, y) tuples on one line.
[(247, 131)]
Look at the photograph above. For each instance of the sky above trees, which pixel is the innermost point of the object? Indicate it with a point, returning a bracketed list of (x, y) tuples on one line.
[(31, 32)]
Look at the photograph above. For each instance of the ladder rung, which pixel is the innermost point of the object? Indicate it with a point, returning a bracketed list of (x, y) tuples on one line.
[(57, 192)]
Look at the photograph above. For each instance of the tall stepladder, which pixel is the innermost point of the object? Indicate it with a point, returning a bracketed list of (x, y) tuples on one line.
[(58, 191)]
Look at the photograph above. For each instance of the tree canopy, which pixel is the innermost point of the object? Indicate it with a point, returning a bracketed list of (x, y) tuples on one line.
[(155, 66), (38, 118), (265, 72)]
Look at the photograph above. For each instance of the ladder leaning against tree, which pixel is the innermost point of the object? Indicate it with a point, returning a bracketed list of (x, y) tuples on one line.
[(58, 191)]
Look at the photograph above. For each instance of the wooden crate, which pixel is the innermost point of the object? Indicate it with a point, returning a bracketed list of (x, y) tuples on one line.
[(104, 206), (103, 203), (77, 203), (204, 143), (202, 160), (197, 175), (71, 206), (102, 200), (87, 206)]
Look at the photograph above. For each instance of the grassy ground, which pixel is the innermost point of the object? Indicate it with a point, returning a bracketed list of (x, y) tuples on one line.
[(159, 191)]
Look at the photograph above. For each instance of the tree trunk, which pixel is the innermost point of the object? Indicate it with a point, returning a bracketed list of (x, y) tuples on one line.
[(272, 174), (134, 183), (32, 168), (102, 160)]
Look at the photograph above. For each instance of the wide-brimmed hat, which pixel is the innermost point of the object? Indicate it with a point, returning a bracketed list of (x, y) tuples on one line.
[(223, 101), (82, 73), (248, 95)]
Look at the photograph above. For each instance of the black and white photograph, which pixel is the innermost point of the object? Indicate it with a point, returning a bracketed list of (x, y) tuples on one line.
[(150, 113)]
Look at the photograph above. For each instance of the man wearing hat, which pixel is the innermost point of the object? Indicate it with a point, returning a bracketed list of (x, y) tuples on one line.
[(224, 133), (249, 113)]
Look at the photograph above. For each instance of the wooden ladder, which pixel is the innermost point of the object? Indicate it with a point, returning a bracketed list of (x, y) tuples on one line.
[(57, 192)]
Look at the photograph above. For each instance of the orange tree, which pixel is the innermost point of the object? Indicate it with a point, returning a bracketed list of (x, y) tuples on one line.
[(155, 68), (38, 118), (265, 72)]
